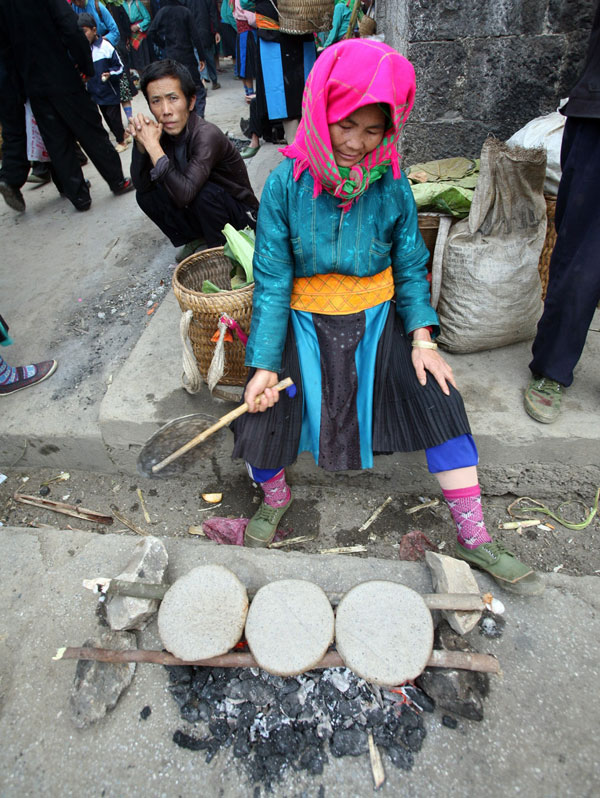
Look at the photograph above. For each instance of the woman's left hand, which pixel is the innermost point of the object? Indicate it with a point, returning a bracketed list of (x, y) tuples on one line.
[(428, 360)]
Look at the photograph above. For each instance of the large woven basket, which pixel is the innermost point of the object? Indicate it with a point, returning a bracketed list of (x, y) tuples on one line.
[(305, 16), (207, 309), (549, 242)]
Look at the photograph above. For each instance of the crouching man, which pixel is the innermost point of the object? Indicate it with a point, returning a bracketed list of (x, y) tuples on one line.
[(189, 178)]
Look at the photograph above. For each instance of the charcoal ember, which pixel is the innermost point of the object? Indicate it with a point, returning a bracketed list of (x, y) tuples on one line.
[(146, 712), (324, 730), (449, 721), (421, 699), (286, 740), (414, 737), (180, 674), (246, 717), (219, 728), (190, 712), (184, 740), (289, 686), (291, 706), (329, 693), (348, 742), (313, 759), (200, 678), (212, 747), (401, 757), (460, 692), (256, 691), (181, 693), (375, 717), (354, 691), (349, 709), (384, 736), (408, 718), (241, 743), (256, 768), (274, 765), (491, 625)]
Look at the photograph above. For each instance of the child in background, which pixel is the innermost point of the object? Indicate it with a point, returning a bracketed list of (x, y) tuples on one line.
[(103, 86)]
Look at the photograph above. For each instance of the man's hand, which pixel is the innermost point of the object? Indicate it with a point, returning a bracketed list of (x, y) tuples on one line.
[(262, 382), (146, 134), (217, 38), (201, 66)]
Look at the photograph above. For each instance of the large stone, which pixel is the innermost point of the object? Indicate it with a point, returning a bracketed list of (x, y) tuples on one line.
[(148, 563), (99, 685), (450, 575), (290, 626), (384, 632), (203, 613)]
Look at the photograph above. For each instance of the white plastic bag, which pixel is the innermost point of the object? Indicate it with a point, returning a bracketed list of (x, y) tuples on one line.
[(36, 149), (491, 293), (547, 132)]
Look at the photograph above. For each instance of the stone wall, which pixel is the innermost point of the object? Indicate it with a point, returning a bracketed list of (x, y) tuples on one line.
[(483, 66)]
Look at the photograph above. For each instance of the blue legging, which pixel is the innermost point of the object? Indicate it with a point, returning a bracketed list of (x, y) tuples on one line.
[(458, 452)]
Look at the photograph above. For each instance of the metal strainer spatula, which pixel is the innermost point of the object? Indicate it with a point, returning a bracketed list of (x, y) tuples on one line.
[(173, 440)]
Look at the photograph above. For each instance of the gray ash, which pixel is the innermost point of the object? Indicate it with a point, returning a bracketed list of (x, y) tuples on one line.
[(272, 724)]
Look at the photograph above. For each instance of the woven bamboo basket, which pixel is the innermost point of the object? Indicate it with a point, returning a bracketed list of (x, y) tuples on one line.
[(549, 242), (305, 16), (207, 309), (367, 27)]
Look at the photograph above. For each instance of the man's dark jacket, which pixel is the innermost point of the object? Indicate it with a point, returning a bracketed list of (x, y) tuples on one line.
[(201, 153), (206, 19), (174, 29), (41, 43)]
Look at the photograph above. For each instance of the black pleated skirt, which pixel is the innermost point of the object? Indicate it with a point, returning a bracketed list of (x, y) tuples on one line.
[(405, 416)]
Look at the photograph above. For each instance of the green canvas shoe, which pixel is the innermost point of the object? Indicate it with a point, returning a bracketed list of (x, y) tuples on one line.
[(262, 526), (542, 399), (510, 573)]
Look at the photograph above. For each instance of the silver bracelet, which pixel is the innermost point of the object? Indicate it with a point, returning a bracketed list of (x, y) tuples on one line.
[(424, 345)]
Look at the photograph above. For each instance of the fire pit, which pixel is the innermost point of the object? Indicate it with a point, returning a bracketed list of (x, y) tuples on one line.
[(274, 724)]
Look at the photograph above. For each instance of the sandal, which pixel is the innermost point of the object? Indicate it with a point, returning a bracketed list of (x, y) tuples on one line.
[(262, 526), (510, 573)]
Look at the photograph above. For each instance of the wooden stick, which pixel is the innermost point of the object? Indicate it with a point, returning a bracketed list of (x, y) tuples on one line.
[(124, 520), (376, 763), (65, 509), (222, 422), (461, 602), (439, 659)]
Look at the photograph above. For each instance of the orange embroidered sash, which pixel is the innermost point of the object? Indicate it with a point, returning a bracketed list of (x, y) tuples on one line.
[(341, 294)]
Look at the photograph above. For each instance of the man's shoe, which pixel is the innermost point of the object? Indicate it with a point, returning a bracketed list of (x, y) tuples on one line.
[(42, 372), (124, 187), (39, 178), (188, 249), (12, 196), (216, 84), (542, 399), (510, 573), (262, 526), (249, 152)]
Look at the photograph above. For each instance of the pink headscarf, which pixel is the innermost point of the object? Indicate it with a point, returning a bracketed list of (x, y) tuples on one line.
[(345, 77)]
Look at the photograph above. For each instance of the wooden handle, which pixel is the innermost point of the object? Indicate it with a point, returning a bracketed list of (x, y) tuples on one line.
[(222, 422)]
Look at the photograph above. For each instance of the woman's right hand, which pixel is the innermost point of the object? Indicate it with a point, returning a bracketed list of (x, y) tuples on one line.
[(261, 382)]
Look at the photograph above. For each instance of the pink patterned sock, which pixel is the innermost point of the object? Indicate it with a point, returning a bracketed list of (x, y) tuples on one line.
[(465, 506), (276, 490)]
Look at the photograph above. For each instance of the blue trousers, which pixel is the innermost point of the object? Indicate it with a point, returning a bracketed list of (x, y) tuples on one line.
[(574, 276)]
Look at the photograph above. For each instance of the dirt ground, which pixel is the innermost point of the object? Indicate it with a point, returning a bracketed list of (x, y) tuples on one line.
[(330, 517)]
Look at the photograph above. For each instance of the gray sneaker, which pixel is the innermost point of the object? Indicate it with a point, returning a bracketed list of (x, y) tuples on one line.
[(542, 399)]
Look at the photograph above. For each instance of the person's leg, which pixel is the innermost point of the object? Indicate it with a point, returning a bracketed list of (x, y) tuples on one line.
[(211, 210), (454, 464), (211, 69), (262, 526), (112, 115), (200, 106), (13, 379), (81, 116), (15, 165), (174, 222), (61, 146), (574, 277)]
